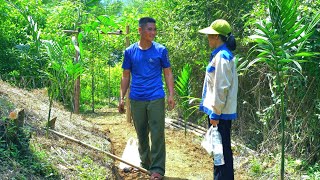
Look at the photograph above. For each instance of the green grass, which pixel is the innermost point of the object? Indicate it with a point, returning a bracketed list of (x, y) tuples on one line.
[(25, 162), (267, 167), (89, 170), (19, 160)]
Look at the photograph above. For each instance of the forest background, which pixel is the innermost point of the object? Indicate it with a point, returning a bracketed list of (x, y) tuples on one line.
[(278, 63)]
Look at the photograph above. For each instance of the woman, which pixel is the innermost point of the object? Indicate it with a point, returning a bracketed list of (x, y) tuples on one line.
[(219, 97)]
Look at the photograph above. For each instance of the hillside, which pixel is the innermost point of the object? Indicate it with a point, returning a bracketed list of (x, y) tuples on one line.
[(64, 155), (108, 131)]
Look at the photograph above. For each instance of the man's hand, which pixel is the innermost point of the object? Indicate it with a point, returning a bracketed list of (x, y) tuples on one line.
[(171, 102), (121, 106), (125, 81), (169, 81), (214, 122)]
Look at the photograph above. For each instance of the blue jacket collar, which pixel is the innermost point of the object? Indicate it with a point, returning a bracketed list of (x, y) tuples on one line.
[(216, 50)]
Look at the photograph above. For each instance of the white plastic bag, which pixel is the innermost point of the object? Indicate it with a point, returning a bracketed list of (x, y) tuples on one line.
[(207, 142), (130, 154)]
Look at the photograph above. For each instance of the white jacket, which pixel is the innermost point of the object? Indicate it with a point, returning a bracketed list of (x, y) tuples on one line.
[(219, 96)]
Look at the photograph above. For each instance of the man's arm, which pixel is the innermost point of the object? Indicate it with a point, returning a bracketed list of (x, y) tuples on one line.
[(125, 81), (170, 85)]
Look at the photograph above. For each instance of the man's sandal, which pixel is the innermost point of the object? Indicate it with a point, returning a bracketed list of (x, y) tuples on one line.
[(156, 176)]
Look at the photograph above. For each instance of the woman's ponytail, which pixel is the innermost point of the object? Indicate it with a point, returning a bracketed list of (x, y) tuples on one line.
[(230, 41)]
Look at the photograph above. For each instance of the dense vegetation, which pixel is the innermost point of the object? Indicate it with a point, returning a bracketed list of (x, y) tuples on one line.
[(278, 60)]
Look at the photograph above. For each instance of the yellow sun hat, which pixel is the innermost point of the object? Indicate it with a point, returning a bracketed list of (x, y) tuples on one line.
[(219, 26)]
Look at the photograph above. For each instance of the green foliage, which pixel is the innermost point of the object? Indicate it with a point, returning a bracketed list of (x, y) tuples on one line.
[(21, 36), (256, 167), (182, 86), (265, 166), (314, 171), (15, 152), (5, 106), (96, 61), (61, 73), (280, 42), (187, 104), (183, 81), (31, 164), (10, 134), (285, 39), (102, 87), (88, 170)]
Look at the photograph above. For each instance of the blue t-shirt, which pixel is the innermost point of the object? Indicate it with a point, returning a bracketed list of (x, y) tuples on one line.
[(146, 71)]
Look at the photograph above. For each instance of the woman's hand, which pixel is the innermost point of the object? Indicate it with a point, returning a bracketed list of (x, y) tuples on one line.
[(214, 122)]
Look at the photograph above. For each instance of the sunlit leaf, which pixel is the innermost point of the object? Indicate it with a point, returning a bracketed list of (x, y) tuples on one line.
[(298, 65), (305, 54), (251, 63), (254, 37), (292, 29), (302, 39), (106, 21), (265, 31)]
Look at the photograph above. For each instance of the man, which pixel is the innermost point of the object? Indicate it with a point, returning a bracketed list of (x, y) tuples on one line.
[(144, 61)]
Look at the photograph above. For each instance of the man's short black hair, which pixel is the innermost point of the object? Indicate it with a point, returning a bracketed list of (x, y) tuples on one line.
[(143, 21)]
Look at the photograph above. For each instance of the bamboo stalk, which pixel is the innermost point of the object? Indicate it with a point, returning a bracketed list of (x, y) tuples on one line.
[(97, 149), (200, 128), (188, 129)]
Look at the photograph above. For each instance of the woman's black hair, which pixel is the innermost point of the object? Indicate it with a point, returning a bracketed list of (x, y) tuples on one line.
[(230, 41)]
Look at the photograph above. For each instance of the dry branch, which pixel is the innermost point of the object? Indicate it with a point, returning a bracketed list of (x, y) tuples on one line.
[(97, 149)]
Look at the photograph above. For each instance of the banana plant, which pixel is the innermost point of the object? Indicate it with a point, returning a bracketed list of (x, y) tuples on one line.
[(61, 73), (54, 73), (280, 41)]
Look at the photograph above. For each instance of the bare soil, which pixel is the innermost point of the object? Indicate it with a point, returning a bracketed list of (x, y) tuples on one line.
[(185, 157)]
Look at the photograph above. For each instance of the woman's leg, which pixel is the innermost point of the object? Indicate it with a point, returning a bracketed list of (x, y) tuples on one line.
[(225, 172)]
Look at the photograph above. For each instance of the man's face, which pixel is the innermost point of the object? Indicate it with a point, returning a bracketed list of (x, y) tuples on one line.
[(148, 32)]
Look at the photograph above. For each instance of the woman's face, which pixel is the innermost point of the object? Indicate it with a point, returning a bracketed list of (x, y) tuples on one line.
[(213, 40)]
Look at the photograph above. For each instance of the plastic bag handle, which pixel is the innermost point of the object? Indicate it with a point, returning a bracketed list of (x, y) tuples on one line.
[(214, 127)]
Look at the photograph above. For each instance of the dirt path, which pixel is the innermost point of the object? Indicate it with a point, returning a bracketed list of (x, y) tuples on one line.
[(186, 159)]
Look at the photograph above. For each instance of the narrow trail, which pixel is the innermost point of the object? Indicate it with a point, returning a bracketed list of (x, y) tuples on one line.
[(186, 159)]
